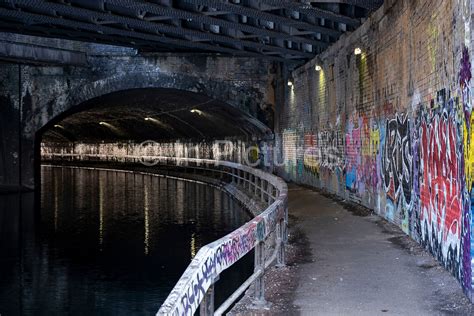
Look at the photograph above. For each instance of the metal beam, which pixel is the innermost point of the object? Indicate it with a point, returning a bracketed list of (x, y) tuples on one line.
[(100, 29), (283, 30), (204, 18), (261, 15), (366, 4), (150, 26), (312, 11)]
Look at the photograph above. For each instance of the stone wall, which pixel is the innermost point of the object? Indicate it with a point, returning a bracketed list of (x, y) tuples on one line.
[(42, 92), (391, 128)]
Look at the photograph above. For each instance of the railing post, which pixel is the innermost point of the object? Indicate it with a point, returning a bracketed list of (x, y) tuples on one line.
[(259, 285), (270, 193), (255, 186), (262, 190), (280, 242), (206, 308)]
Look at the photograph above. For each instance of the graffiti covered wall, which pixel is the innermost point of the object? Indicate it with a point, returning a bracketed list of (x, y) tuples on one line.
[(391, 128)]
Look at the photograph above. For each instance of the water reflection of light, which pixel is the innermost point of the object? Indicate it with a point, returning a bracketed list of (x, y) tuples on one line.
[(146, 209), (193, 245), (56, 203), (101, 211), (180, 201)]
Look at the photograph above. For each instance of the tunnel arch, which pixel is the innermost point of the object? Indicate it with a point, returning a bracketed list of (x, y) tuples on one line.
[(161, 114), (70, 96), (127, 110), (48, 94)]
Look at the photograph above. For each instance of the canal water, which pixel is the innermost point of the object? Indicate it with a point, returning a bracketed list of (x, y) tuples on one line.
[(108, 242)]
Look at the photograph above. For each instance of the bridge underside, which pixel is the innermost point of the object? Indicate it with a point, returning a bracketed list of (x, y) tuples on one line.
[(280, 30)]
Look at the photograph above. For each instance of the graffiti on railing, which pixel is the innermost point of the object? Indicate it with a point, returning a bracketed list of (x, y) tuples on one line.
[(214, 258)]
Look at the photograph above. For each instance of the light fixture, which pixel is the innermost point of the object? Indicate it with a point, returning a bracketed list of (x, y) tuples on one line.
[(317, 68), (102, 123), (196, 111), (357, 51), (147, 118), (58, 126), (290, 83)]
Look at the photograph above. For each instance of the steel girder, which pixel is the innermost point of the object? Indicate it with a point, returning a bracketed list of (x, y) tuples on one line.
[(278, 29)]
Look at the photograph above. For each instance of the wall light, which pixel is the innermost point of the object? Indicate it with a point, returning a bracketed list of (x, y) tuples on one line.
[(58, 126), (147, 118), (357, 51), (317, 68), (102, 123), (196, 111), (290, 83)]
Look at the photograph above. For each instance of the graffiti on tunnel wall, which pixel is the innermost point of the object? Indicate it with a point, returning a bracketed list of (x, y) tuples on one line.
[(440, 185), (323, 151), (468, 139), (362, 148), (414, 167), (397, 169), (397, 159)]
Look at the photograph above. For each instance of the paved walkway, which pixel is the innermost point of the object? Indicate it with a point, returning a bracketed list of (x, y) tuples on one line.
[(364, 266)]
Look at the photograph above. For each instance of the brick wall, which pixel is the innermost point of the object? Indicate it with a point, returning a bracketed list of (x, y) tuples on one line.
[(391, 128), (49, 90)]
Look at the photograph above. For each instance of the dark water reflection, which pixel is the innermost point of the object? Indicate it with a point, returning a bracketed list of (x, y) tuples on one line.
[(107, 242)]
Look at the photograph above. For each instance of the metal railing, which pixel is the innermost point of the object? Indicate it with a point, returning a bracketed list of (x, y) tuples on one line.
[(195, 288)]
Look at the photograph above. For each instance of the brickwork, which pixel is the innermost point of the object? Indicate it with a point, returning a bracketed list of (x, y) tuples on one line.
[(48, 91), (391, 128)]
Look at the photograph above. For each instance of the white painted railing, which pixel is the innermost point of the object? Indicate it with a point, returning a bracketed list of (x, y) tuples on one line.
[(195, 288)]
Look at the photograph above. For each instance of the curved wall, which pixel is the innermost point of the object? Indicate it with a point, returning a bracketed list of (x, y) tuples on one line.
[(391, 128)]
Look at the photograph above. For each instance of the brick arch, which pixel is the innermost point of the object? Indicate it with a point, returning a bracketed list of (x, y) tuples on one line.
[(134, 104), (218, 90)]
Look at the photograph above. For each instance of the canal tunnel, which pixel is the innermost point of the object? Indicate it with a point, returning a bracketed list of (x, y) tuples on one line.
[(331, 140), (158, 114)]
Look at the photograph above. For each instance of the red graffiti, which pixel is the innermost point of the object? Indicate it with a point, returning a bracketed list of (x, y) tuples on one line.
[(440, 187)]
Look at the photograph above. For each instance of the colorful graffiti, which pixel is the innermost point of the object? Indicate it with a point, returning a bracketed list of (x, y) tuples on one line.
[(441, 187), (323, 151), (331, 146), (397, 159), (362, 152), (215, 257), (311, 156), (397, 170), (370, 154), (412, 163), (353, 156), (465, 77)]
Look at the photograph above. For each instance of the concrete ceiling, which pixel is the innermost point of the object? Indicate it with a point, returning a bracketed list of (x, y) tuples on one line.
[(152, 114), (284, 30)]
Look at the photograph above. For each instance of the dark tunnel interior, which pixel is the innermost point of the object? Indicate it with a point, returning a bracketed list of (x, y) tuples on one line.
[(151, 114)]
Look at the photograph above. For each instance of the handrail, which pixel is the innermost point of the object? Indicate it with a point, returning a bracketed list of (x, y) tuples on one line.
[(195, 288)]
